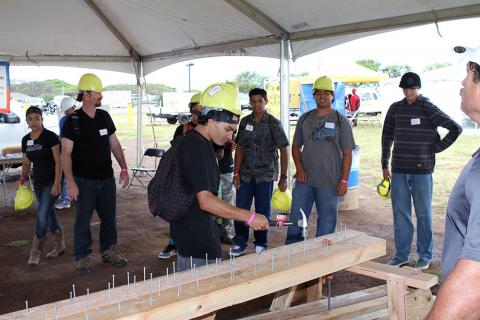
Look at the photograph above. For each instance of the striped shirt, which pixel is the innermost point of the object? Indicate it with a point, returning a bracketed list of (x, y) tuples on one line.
[(412, 130)]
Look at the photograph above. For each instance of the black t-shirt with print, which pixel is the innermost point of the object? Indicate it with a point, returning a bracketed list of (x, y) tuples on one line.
[(39, 152), (91, 155), (197, 234)]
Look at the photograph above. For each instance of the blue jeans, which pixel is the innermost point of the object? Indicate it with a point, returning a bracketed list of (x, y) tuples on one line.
[(46, 215), (99, 195), (418, 187), (326, 201), (63, 194), (262, 192)]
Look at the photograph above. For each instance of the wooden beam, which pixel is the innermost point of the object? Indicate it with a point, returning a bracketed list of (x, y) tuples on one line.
[(350, 311), (396, 292), (283, 299), (314, 308), (225, 284), (411, 276)]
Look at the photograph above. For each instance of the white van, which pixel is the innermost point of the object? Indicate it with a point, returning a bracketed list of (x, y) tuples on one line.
[(370, 102)]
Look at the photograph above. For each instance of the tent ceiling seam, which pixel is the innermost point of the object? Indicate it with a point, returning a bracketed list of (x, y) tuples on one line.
[(259, 17), (131, 50)]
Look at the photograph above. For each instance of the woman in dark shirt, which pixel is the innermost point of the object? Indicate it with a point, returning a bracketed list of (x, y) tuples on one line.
[(41, 147)]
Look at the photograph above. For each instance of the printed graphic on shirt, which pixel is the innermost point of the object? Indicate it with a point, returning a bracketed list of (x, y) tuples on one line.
[(322, 133), (34, 147)]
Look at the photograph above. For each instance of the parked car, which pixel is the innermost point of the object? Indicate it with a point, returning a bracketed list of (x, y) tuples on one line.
[(370, 102)]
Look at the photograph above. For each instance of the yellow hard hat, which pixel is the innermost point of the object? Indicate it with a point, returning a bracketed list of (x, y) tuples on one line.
[(196, 98), (282, 201), (90, 82), (23, 198), (222, 96), (383, 189), (323, 83)]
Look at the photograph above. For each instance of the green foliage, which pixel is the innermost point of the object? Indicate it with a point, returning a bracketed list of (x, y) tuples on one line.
[(369, 64), (45, 89), (437, 65), (151, 88), (16, 243), (247, 80), (396, 70)]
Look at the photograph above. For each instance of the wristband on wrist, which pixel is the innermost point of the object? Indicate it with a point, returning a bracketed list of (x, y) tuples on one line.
[(252, 216), (235, 174), (124, 170), (344, 181)]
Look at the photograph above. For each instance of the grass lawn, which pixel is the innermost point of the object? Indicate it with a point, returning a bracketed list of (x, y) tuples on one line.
[(448, 165)]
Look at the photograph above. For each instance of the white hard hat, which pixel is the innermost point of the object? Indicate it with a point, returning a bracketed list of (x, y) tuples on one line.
[(66, 103)]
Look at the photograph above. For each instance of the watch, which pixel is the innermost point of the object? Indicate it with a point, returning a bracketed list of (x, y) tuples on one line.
[(283, 176)]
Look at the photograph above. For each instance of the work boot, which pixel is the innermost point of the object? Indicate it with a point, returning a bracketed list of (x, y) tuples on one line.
[(111, 255), (36, 251), (82, 265), (59, 248)]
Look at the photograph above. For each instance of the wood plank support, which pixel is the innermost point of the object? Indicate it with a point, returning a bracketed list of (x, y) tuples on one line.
[(283, 299), (222, 285)]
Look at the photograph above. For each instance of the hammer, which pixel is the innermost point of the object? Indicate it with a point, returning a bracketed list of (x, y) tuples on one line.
[(282, 221)]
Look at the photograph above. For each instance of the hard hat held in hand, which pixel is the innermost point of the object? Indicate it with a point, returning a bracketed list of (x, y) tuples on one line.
[(282, 201), (23, 198), (90, 82), (383, 189)]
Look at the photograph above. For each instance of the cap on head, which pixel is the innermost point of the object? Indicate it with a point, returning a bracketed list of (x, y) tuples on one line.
[(66, 103), (221, 97), (410, 80), (90, 82), (323, 83)]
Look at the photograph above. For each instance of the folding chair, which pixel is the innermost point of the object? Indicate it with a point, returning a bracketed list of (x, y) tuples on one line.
[(142, 171)]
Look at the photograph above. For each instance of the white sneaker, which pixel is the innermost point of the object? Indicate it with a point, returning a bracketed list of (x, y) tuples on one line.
[(259, 249), (237, 251)]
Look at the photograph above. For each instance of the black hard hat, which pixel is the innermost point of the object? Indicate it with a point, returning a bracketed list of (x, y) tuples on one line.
[(410, 80)]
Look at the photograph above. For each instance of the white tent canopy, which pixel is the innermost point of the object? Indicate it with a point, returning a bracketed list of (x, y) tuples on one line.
[(110, 34), (141, 36)]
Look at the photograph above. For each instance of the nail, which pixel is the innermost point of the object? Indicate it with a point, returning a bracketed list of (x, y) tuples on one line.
[(134, 281), (109, 293), (191, 263), (144, 274), (159, 287), (74, 294), (206, 259), (118, 303), (174, 276), (86, 313), (26, 310), (151, 278), (167, 276), (88, 295), (128, 279), (113, 281), (71, 297)]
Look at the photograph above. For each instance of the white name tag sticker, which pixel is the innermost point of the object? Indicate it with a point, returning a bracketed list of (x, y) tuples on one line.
[(103, 132), (415, 122), (329, 125), (30, 143), (249, 127)]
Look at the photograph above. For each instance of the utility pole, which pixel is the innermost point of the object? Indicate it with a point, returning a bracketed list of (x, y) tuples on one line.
[(190, 65)]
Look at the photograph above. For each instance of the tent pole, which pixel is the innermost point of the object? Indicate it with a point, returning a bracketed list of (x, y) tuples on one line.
[(140, 87), (285, 89)]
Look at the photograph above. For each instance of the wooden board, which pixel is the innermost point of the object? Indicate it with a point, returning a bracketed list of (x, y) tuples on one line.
[(219, 286)]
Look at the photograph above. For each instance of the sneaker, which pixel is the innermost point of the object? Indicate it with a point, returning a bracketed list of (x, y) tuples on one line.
[(396, 262), (259, 249), (169, 251), (62, 204), (111, 255), (237, 251), (422, 264), (82, 265)]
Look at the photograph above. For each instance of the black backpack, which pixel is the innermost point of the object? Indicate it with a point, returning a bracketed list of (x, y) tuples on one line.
[(168, 195)]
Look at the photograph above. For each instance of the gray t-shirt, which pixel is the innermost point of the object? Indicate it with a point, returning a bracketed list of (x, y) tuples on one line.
[(323, 140), (462, 225)]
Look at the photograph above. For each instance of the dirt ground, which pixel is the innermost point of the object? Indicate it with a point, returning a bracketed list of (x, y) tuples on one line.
[(141, 237)]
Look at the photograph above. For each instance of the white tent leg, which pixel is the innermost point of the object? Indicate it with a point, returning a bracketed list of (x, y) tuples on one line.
[(285, 89), (140, 86)]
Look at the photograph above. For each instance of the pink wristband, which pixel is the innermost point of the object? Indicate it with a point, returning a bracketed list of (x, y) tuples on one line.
[(252, 216), (344, 181), (124, 170), (235, 174)]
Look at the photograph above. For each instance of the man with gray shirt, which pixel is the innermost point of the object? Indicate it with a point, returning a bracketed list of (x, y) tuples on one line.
[(459, 296), (323, 165)]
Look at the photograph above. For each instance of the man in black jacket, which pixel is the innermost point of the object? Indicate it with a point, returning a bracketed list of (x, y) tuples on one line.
[(411, 126)]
